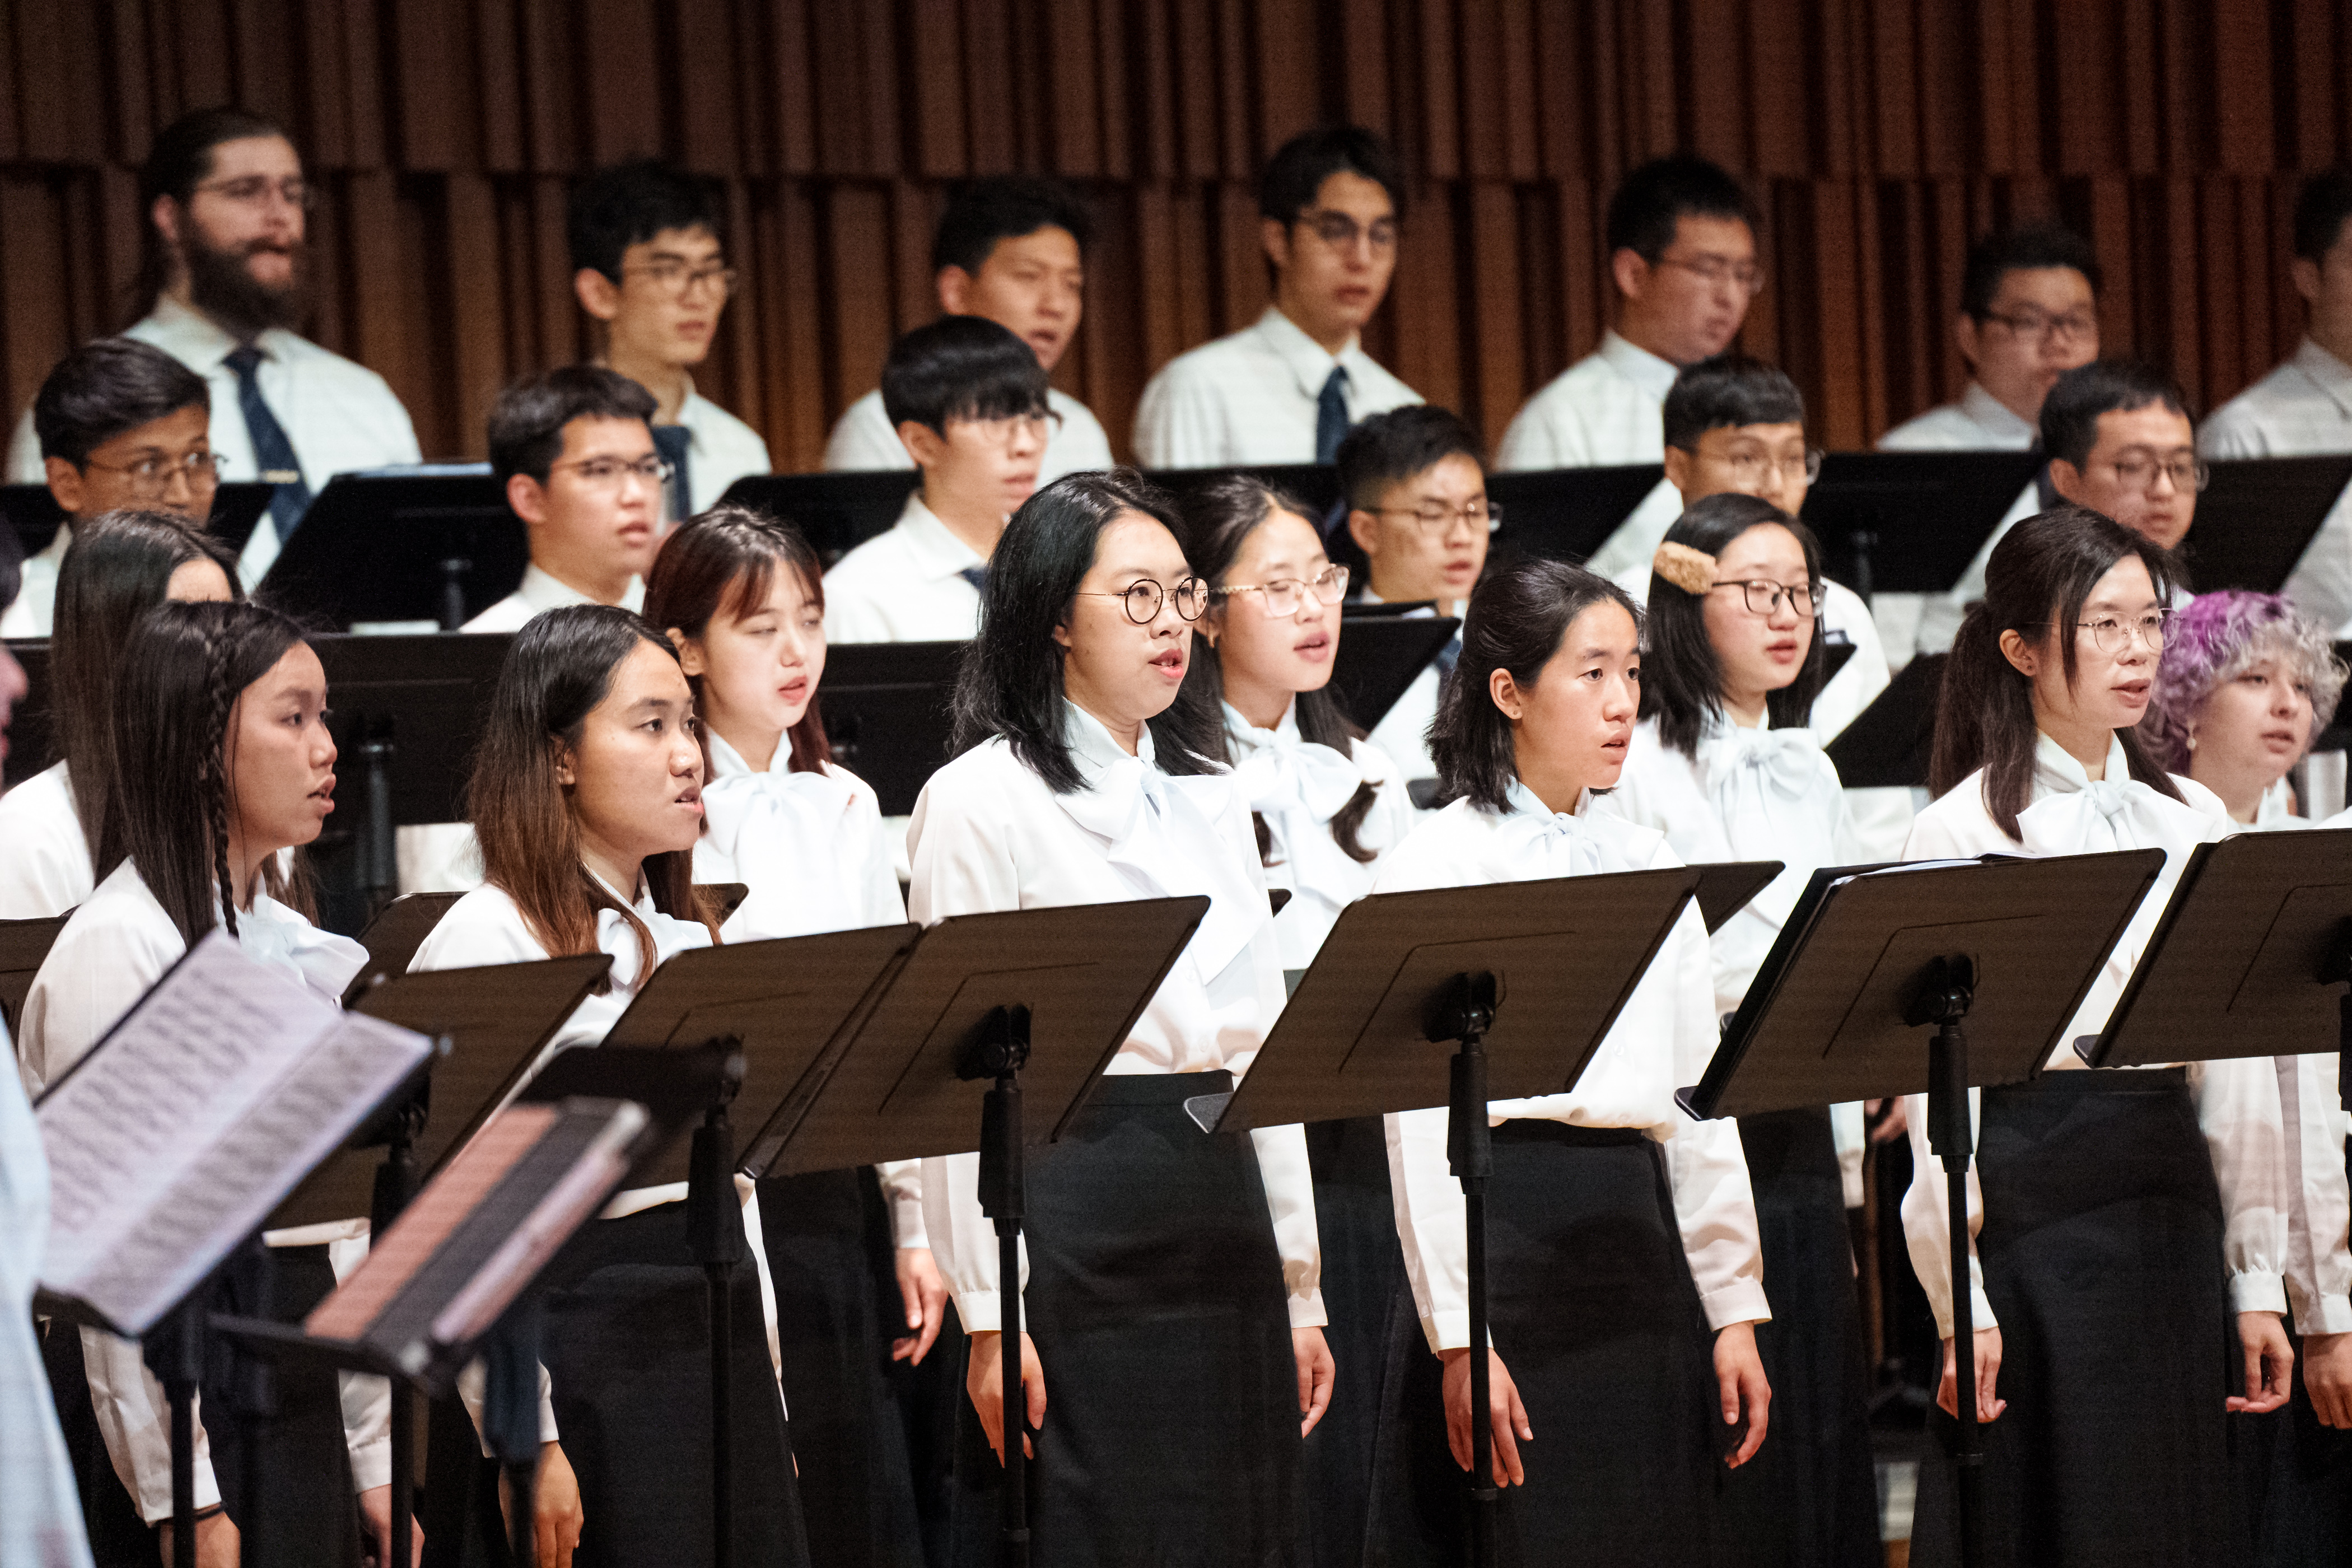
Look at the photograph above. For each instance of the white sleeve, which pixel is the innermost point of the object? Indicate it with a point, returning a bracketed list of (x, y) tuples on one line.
[(366, 1401), (1706, 1169), (136, 1422), (1084, 443), (853, 612), (1290, 1202), (2319, 1267), (963, 1240), (902, 1189), (863, 438), (473, 1392), (1527, 443), (1927, 1221), (24, 464), (2238, 1111), (1181, 422), (1429, 1227)]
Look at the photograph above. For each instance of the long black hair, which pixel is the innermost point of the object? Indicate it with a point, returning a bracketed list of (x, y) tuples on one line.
[(2038, 578), (1682, 679), (1011, 681), (175, 697), (1516, 619), (1222, 516)]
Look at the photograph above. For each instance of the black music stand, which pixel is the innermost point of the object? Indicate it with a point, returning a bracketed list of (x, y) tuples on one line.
[(35, 514), (1910, 522), (2257, 517), (1890, 742), (986, 1008), (1526, 977), (22, 945), (1866, 960), (435, 544), (886, 711), (1726, 886), (392, 937), (1380, 657), (836, 511), (1567, 514)]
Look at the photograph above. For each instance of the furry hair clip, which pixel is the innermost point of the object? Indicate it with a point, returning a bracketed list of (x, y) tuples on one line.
[(1692, 571)]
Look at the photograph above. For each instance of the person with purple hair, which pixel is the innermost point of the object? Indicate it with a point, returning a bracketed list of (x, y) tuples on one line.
[(2244, 683)]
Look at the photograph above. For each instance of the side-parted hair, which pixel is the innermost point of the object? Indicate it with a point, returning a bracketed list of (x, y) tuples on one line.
[(1515, 622), (2320, 210), (528, 420), (559, 668), (1729, 391), (725, 560), (1682, 679), (980, 212), (613, 208), (178, 160), (1384, 449), (175, 697), (1650, 201), (1222, 519), (1288, 185), (962, 367), (108, 386), (2069, 413), (118, 567), (2037, 579), (2214, 639), (2032, 248), (1011, 680)]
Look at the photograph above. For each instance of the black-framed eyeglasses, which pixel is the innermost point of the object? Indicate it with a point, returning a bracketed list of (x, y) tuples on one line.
[(677, 279), (1435, 518), (1340, 231), (1283, 595), (1143, 597), (606, 473), (253, 190), (2139, 471), (1763, 596), (1715, 271), (1753, 467), (2075, 326)]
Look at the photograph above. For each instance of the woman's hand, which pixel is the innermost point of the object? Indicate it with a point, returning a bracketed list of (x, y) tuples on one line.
[(1505, 1414), (1897, 1120), (1316, 1374), (1947, 1389), (1739, 1378), (2327, 1377), (217, 1542), (376, 1529), (925, 1293), (984, 1380), (555, 1517), (2269, 1363)]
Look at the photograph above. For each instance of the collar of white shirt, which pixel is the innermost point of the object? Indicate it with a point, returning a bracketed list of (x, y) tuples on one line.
[(937, 553), (1997, 418), (544, 591), (1652, 376), (1309, 361), (1537, 842), (691, 409), (197, 341), (2328, 373)]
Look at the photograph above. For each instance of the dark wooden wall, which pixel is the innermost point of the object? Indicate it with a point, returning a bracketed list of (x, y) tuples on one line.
[(1882, 134)]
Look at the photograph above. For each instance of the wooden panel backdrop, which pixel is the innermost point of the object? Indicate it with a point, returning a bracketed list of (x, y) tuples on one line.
[(1881, 136)]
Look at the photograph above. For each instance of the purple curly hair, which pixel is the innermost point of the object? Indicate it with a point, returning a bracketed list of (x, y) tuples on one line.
[(2214, 640)]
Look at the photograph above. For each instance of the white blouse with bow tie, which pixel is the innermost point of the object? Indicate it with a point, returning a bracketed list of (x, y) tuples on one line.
[(988, 834), (2238, 1102), (1661, 1041)]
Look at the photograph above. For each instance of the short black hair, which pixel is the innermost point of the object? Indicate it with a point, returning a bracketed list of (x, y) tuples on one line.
[(178, 160), (1651, 201), (1288, 184), (105, 387), (528, 420), (2320, 209), (961, 367), (628, 204), (2070, 414), (1388, 449), (1005, 206), (1682, 679), (1729, 390), (2026, 250)]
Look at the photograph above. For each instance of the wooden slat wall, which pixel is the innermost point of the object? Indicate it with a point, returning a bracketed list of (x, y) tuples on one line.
[(1880, 134)]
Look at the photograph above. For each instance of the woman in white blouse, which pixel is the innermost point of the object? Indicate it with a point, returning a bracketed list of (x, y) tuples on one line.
[(1622, 1253), (2129, 1229), (119, 565), (1171, 1299), (586, 797), (220, 737), (743, 597), (1326, 804), (1723, 765)]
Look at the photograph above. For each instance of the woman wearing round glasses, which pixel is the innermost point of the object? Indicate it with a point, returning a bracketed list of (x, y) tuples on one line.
[(1171, 1299)]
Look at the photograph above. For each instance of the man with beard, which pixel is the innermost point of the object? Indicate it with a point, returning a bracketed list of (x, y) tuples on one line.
[(224, 281)]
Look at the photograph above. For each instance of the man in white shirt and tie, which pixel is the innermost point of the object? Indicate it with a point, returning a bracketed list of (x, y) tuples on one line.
[(2304, 406), (1681, 233), (968, 402), (1285, 389), (225, 277), (2029, 313), (649, 263), (1012, 248)]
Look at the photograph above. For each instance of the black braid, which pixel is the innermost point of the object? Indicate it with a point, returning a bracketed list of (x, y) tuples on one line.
[(214, 780)]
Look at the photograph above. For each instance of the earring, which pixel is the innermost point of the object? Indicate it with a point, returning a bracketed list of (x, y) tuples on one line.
[(2192, 740)]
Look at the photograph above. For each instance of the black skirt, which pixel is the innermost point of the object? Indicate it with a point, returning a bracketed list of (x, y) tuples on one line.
[(1595, 1316), (1156, 1299), (119, 1537), (837, 1309), (1809, 1497), (2101, 1246), (627, 1350)]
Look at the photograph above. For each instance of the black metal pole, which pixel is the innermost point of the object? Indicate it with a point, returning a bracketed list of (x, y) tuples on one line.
[(1464, 1013), (395, 1184), (716, 1220), (381, 861), (1952, 1138), (522, 1486), (183, 1370), (453, 591), (998, 1052)]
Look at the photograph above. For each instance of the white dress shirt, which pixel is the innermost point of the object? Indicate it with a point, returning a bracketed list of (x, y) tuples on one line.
[(45, 868), (1296, 787), (1662, 1040), (720, 450), (340, 416), (2302, 408), (989, 835), (120, 943), (864, 437), (906, 585), (32, 612), (1402, 733), (2238, 1104), (539, 592), (1978, 422), (1606, 410), (1251, 399)]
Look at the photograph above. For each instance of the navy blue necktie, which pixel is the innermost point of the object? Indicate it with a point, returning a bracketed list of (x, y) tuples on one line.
[(672, 441), (273, 453), (978, 577), (1332, 414)]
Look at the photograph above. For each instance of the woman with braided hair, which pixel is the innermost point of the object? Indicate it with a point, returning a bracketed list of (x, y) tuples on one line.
[(224, 760)]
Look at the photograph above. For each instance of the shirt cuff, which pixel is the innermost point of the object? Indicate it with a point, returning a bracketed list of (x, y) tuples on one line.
[(2258, 1290), (372, 1464), (1981, 1314), (1741, 1301), (2327, 1315), (979, 1311), (1307, 1309), (1449, 1329)]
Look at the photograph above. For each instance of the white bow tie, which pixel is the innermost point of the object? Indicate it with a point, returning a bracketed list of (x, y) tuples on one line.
[(2099, 816), (1165, 845), (1536, 843), (1789, 760), (271, 933), (784, 832), (1760, 781), (671, 937)]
